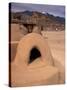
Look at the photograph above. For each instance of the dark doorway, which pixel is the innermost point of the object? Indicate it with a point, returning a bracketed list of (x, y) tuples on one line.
[(34, 53)]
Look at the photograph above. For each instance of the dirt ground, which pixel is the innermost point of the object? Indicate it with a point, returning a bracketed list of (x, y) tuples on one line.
[(56, 41)]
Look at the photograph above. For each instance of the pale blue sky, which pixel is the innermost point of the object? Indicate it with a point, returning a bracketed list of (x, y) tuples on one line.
[(56, 10)]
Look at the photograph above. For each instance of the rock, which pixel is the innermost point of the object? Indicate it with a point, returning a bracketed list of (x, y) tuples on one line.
[(36, 29)]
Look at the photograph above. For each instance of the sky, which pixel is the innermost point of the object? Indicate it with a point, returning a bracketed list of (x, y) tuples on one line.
[(56, 10)]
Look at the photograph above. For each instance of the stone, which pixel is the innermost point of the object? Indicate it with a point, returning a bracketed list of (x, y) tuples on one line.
[(36, 29), (23, 29)]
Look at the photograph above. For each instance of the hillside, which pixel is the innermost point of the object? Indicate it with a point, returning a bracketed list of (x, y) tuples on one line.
[(45, 20)]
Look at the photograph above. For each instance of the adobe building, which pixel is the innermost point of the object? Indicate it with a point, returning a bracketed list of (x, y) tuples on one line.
[(33, 63)]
